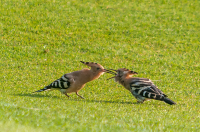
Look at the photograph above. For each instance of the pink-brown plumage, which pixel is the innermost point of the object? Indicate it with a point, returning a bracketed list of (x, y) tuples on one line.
[(75, 81), (141, 88)]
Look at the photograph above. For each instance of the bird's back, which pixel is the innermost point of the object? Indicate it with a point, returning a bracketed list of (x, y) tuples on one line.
[(137, 82)]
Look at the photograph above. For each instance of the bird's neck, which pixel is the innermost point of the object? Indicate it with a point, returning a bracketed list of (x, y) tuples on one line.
[(90, 75), (120, 80), (94, 75), (123, 80)]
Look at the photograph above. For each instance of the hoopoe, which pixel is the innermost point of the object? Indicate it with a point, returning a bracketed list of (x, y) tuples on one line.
[(141, 88), (75, 81)]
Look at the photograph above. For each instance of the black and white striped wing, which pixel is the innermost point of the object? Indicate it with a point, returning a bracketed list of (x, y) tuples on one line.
[(61, 83), (146, 88)]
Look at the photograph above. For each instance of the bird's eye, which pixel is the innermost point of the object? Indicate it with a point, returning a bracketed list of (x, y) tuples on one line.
[(98, 68)]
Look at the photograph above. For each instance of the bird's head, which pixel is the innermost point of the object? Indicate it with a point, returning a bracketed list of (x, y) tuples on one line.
[(129, 73)]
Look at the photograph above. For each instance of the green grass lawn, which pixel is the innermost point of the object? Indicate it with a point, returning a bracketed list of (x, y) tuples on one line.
[(40, 40)]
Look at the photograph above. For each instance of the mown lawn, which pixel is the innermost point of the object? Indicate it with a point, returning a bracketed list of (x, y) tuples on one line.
[(40, 40)]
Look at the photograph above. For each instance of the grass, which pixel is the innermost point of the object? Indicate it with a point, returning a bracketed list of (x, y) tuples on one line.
[(41, 40)]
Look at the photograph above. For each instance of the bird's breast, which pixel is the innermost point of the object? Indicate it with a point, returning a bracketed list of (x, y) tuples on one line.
[(75, 87)]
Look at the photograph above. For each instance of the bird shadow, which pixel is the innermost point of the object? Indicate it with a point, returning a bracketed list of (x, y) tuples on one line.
[(104, 101), (84, 100), (37, 95)]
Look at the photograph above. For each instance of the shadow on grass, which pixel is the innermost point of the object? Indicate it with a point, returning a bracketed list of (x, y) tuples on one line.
[(37, 95), (84, 100), (104, 101)]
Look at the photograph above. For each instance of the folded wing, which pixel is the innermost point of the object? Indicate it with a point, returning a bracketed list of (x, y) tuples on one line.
[(146, 88)]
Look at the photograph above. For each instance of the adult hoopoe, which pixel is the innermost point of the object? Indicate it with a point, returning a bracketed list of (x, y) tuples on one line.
[(75, 81), (141, 88)]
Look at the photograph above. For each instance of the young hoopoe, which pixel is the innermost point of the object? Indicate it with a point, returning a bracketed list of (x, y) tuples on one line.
[(75, 81), (141, 88)]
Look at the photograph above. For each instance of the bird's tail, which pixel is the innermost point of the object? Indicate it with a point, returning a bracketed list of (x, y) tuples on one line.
[(169, 101), (44, 89)]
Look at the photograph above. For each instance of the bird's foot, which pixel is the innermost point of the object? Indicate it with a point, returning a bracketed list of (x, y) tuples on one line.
[(80, 96), (140, 102), (67, 95)]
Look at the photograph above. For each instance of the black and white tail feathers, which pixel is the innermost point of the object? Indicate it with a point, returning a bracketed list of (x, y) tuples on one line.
[(145, 88), (155, 96), (61, 83), (169, 101), (44, 89)]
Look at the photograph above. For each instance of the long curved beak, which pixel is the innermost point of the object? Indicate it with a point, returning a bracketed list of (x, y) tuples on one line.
[(113, 70), (104, 70), (135, 73), (109, 71), (110, 78)]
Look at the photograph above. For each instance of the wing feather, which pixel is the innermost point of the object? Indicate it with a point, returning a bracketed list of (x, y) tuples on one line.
[(145, 88)]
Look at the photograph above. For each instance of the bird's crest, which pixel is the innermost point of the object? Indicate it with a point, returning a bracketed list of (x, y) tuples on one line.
[(91, 64), (129, 72)]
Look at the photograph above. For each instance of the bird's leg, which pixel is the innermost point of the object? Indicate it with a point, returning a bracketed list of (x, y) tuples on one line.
[(140, 102), (67, 95), (79, 95)]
